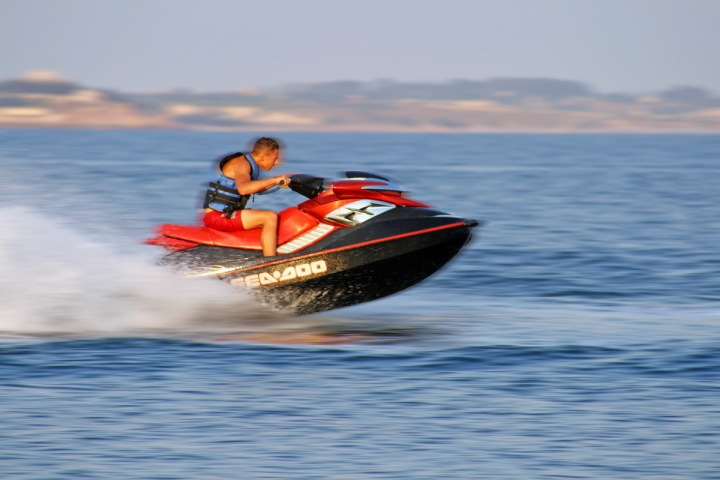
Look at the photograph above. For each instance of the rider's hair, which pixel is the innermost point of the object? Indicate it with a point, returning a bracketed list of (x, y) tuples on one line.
[(266, 143)]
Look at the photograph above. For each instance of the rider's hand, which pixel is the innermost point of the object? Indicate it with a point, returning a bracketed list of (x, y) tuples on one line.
[(283, 180)]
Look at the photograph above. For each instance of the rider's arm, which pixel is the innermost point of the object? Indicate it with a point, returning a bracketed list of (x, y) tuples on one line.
[(246, 186)]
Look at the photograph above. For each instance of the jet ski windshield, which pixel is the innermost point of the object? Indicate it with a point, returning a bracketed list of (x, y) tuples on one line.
[(356, 174), (307, 185)]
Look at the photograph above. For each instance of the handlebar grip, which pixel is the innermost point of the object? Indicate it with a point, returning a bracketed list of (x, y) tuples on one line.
[(282, 182)]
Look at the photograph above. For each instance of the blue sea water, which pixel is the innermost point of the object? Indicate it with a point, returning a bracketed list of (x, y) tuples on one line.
[(578, 336)]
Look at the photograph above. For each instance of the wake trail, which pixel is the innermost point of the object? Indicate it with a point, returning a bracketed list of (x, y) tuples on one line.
[(54, 280)]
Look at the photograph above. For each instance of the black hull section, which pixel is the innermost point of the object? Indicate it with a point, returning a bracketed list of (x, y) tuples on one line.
[(351, 275)]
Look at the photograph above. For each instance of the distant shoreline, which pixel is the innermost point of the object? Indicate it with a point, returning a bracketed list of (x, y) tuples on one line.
[(532, 106), (359, 132)]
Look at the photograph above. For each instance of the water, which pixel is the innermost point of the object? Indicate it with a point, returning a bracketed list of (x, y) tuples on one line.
[(577, 338)]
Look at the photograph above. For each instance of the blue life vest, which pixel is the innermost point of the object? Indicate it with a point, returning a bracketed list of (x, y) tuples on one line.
[(222, 194)]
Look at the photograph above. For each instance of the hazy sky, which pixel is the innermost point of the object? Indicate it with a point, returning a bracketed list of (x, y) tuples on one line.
[(209, 45)]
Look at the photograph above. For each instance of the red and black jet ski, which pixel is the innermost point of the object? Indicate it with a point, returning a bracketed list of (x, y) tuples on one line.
[(354, 240)]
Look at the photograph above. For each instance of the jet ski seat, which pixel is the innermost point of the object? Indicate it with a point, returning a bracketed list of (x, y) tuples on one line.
[(292, 222)]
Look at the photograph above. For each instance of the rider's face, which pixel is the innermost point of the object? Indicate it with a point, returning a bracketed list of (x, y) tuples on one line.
[(271, 158)]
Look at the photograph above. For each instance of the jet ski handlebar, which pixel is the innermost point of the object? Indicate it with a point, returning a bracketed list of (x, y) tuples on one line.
[(306, 185), (311, 186)]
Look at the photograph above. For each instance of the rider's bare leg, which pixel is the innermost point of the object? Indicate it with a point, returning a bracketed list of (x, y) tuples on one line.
[(269, 222)]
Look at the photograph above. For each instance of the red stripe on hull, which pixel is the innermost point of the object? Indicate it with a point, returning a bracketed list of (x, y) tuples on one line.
[(356, 245)]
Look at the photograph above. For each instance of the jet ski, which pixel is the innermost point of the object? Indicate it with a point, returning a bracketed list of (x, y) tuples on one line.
[(353, 240)]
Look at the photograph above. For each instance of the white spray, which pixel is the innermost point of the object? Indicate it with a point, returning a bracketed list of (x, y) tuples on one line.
[(55, 281)]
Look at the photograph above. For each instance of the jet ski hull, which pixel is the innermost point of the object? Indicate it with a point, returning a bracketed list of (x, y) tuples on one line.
[(352, 275)]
